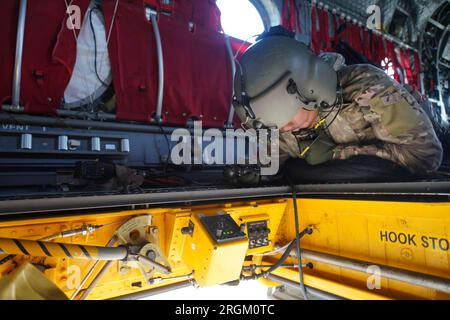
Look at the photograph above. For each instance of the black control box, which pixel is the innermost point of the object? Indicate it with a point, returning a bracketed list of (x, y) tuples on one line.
[(258, 234), (222, 228)]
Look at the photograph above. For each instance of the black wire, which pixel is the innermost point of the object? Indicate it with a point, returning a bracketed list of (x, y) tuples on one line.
[(279, 263), (341, 104), (95, 46), (297, 230), (335, 104), (169, 148), (286, 254), (329, 112)]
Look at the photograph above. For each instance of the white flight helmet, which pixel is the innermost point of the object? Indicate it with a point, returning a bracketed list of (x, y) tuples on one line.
[(277, 76)]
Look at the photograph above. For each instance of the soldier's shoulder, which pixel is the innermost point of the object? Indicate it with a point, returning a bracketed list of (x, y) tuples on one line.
[(361, 68)]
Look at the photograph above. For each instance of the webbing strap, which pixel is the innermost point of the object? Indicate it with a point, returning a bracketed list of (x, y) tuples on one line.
[(315, 35), (367, 38), (324, 30), (345, 32), (406, 65), (417, 70), (335, 28), (290, 18), (356, 37), (393, 58)]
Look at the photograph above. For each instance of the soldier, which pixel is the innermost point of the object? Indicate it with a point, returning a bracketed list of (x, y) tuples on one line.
[(337, 122)]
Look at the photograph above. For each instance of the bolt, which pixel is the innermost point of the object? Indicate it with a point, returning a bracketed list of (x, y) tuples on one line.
[(134, 235), (151, 255), (124, 269)]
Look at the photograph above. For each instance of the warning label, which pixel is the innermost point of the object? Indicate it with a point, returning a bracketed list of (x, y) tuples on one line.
[(424, 241)]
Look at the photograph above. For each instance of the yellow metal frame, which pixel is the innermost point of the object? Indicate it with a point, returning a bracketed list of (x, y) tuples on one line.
[(212, 263), (362, 230)]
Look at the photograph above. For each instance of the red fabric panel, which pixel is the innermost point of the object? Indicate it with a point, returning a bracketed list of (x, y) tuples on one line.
[(297, 16), (197, 74), (393, 58), (324, 30), (403, 64), (290, 18), (131, 51), (351, 34), (335, 30), (406, 64), (382, 49), (197, 67), (432, 85), (367, 44), (49, 53), (206, 14), (345, 33), (8, 29), (417, 71), (315, 33), (356, 38), (378, 49)]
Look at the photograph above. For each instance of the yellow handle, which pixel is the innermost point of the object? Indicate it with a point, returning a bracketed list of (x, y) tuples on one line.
[(319, 124), (305, 152)]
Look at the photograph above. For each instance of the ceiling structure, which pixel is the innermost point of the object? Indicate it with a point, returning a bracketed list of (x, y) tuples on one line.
[(417, 13)]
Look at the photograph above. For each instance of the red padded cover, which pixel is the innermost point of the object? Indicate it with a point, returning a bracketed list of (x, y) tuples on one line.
[(198, 78), (132, 56), (48, 57), (207, 14), (196, 64), (8, 29)]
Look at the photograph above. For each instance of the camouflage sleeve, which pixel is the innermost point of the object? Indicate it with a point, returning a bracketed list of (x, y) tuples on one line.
[(349, 151), (400, 131), (403, 132)]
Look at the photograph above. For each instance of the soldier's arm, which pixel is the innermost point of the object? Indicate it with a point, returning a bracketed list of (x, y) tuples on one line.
[(392, 119), (349, 151)]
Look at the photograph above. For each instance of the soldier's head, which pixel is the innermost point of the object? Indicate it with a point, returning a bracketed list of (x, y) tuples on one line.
[(281, 84)]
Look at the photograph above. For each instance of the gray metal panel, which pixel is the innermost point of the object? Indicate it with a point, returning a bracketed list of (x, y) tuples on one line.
[(51, 202), (423, 10)]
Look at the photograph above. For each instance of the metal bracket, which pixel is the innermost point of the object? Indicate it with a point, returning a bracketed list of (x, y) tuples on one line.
[(145, 253)]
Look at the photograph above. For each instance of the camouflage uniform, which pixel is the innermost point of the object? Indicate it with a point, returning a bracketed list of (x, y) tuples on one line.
[(379, 118)]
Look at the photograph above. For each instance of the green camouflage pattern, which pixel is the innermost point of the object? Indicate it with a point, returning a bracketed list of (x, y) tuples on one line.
[(379, 118)]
